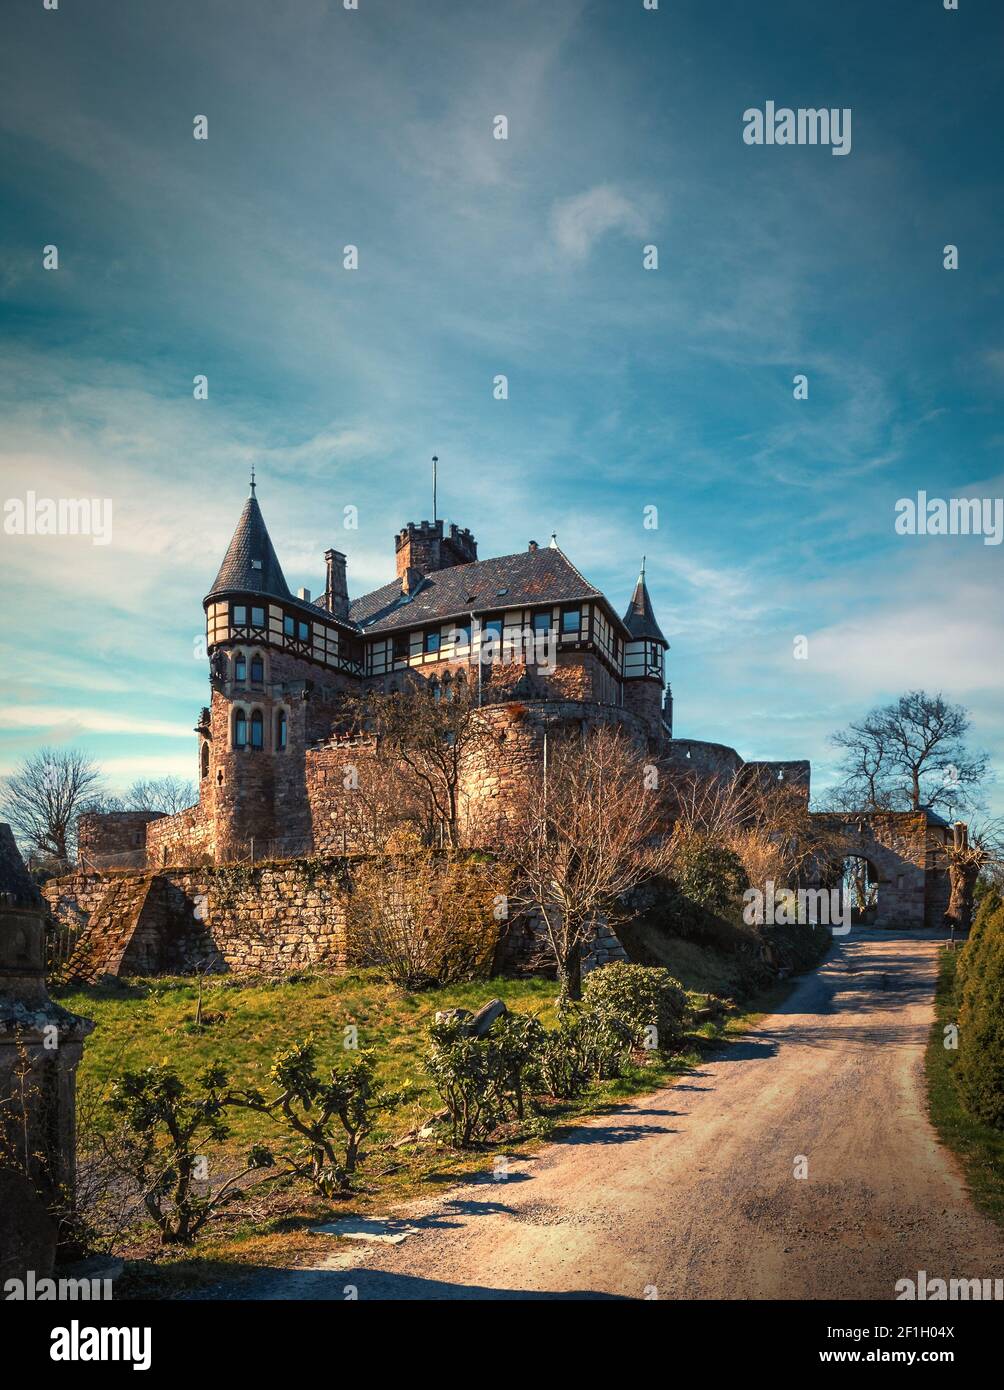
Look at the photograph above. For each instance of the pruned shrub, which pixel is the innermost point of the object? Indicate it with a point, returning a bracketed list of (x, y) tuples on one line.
[(328, 1118), (640, 997), (167, 1125)]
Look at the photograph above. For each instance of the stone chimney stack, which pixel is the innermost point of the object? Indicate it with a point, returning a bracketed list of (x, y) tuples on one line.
[(336, 591)]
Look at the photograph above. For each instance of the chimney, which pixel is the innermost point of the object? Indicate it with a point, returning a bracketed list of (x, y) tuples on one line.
[(304, 594), (336, 592), (411, 579), (532, 545)]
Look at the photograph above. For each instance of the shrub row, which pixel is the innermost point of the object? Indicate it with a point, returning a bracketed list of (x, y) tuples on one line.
[(486, 1080), (979, 1071)]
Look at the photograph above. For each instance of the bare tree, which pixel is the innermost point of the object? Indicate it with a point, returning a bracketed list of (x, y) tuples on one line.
[(429, 731), (766, 822), (911, 754), (582, 837), (168, 794), (43, 797)]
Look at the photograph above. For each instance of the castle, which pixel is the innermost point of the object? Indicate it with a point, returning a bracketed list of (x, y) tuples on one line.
[(271, 742)]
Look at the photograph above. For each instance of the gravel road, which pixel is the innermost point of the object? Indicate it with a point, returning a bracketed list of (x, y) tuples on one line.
[(691, 1192)]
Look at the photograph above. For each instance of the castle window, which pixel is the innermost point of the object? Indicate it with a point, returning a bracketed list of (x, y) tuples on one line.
[(257, 617), (289, 625), (257, 730), (240, 615), (240, 729), (240, 668), (401, 646), (462, 635), (257, 670), (542, 620), (304, 632), (571, 619), (280, 730), (204, 760), (432, 641)]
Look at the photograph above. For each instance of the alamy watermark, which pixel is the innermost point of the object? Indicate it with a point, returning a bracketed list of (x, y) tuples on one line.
[(954, 516), (772, 906), (32, 515), (781, 125)]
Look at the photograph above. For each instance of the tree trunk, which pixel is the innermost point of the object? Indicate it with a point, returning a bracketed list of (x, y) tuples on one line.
[(962, 878), (570, 972)]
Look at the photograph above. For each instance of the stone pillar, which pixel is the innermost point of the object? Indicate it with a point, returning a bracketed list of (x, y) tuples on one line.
[(40, 1048)]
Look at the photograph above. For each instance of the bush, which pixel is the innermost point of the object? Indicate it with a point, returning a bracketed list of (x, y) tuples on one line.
[(640, 997), (710, 876), (425, 919), (979, 1071), (587, 1045), (312, 1110), (167, 1124), (990, 905), (470, 1077)]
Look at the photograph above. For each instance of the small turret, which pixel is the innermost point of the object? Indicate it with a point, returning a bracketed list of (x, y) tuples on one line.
[(644, 658)]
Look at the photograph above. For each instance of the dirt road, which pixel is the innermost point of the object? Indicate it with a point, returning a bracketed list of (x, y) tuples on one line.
[(692, 1191)]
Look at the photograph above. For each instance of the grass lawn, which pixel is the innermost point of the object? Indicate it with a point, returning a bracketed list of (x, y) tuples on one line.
[(245, 1022), (979, 1148)]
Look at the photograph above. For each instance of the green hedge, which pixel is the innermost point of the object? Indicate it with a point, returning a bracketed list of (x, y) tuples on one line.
[(980, 994)]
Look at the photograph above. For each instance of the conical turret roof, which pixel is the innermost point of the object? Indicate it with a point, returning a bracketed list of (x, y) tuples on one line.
[(639, 618), (251, 563)]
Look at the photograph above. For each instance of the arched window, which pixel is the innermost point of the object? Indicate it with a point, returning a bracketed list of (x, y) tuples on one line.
[(257, 671), (257, 730), (436, 689), (240, 668), (280, 730), (240, 729), (204, 760)]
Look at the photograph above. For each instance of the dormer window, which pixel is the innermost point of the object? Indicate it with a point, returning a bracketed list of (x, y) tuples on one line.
[(256, 564)]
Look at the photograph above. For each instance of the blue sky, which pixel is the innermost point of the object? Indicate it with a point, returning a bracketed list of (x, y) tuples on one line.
[(627, 388)]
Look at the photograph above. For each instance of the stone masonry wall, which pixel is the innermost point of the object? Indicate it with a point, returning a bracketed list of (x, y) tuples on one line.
[(270, 919)]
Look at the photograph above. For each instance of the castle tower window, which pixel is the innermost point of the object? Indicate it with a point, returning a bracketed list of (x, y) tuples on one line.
[(257, 617), (257, 730), (240, 668), (240, 615), (289, 625), (281, 731), (204, 760), (303, 632), (257, 671), (240, 729), (571, 619)]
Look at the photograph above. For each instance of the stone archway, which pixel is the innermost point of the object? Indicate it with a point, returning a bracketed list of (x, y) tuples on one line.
[(906, 865)]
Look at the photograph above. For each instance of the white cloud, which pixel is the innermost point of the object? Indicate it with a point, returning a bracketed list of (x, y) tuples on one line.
[(578, 223)]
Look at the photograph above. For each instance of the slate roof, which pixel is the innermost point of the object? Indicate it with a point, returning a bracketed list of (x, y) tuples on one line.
[(639, 618), (485, 586), (251, 542)]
